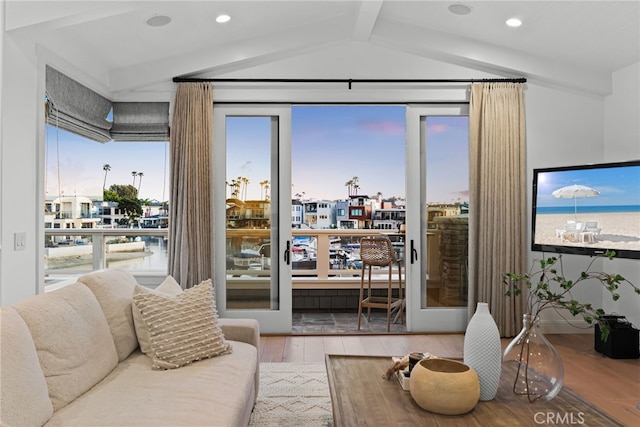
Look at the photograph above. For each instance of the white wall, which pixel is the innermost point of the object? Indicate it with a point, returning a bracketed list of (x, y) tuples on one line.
[(19, 170), (567, 128), (622, 116), (563, 129), (622, 142)]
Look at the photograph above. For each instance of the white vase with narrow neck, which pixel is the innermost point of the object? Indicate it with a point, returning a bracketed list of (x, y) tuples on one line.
[(483, 352)]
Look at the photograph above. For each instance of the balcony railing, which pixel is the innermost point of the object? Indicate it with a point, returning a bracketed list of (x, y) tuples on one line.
[(323, 269), (323, 272), (81, 244)]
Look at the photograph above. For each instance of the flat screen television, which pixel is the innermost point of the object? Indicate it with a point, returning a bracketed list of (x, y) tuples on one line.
[(587, 209)]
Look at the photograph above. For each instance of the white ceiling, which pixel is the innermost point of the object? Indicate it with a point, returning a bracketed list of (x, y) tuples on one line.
[(576, 44)]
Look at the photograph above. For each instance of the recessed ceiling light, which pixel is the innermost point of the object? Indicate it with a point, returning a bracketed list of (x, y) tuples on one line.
[(514, 22), (459, 9), (158, 20), (223, 18)]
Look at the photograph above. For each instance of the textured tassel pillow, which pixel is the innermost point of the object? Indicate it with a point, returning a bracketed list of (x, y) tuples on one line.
[(182, 329), (169, 288)]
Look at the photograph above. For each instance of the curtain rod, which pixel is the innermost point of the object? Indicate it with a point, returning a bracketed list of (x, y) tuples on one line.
[(347, 81), (340, 102)]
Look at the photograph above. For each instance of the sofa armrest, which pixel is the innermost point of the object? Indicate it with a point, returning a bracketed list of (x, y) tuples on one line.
[(244, 330)]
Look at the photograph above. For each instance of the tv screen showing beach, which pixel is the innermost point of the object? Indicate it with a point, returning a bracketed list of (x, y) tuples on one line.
[(587, 209)]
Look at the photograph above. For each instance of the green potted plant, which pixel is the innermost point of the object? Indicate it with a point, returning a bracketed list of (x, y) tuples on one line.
[(530, 361)]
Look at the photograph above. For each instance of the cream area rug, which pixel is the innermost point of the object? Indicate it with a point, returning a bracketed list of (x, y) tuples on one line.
[(292, 394)]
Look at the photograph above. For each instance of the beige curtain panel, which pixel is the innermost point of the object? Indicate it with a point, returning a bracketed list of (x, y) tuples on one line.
[(191, 213), (497, 224)]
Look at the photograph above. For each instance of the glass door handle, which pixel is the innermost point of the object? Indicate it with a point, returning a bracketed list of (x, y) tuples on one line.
[(287, 253), (414, 253)]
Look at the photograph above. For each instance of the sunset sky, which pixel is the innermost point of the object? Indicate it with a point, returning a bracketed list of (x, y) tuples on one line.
[(330, 145), (81, 161), (333, 144)]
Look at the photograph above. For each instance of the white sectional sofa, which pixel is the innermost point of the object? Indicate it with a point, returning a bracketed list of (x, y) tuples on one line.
[(71, 357)]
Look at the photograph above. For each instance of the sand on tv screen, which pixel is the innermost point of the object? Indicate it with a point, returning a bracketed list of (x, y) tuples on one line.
[(587, 209)]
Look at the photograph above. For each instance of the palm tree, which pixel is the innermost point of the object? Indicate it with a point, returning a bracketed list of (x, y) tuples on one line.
[(349, 185), (236, 188), (352, 185), (245, 181), (134, 174), (140, 174), (106, 168), (264, 185), (239, 187), (355, 185)]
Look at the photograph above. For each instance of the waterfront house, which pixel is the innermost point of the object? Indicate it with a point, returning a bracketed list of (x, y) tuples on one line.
[(388, 218), (71, 212), (320, 214), (297, 213), (342, 215), (361, 210)]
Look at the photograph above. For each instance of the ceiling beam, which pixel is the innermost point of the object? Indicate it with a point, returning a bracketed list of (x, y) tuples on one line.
[(366, 19), (227, 57), (487, 58), (50, 16)]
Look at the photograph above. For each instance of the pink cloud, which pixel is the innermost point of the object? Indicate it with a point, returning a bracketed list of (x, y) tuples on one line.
[(437, 128), (387, 127)]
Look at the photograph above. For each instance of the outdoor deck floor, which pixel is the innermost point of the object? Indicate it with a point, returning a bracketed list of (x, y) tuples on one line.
[(345, 323)]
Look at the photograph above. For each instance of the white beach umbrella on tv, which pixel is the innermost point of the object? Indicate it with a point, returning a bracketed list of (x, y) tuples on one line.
[(574, 192)]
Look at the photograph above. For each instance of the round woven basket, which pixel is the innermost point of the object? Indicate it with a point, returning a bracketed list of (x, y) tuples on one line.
[(444, 386)]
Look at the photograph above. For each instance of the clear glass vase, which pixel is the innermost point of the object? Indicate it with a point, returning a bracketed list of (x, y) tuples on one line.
[(531, 364)]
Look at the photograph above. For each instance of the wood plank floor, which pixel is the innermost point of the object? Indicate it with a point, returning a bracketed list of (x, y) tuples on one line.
[(613, 385)]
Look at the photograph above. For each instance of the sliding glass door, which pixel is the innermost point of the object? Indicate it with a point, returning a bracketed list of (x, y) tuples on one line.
[(254, 207), (253, 237), (437, 218)]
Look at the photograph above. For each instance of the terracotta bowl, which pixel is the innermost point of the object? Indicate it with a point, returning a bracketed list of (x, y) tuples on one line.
[(444, 386)]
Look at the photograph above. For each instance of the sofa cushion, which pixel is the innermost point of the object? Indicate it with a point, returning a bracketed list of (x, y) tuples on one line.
[(114, 291), (184, 328), (218, 391), (169, 288), (24, 397), (72, 338)]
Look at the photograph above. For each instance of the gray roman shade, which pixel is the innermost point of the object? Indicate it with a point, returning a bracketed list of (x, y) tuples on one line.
[(140, 121), (76, 108)]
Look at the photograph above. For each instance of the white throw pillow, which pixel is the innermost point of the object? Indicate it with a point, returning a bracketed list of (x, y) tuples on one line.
[(183, 328), (169, 288), (113, 289)]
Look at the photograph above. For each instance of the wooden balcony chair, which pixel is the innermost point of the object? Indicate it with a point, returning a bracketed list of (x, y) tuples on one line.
[(377, 251)]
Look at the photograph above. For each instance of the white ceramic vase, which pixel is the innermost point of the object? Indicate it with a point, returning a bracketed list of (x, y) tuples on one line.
[(483, 352)]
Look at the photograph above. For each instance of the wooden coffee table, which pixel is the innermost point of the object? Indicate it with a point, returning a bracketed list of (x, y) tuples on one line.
[(361, 396)]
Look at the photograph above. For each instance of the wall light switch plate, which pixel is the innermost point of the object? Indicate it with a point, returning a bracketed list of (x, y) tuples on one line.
[(19, 241)]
